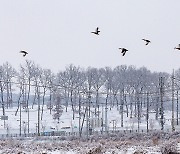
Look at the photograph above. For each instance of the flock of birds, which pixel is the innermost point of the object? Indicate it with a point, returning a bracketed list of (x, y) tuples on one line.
[(96, 32), (124, 50)]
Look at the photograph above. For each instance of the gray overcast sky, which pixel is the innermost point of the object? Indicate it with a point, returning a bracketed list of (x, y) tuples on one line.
[(56, 33)]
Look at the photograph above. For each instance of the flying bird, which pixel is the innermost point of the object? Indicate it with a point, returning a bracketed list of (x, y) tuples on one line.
[(97, 31), (24, 53), (147, 41), (178, 48), (124, 50)]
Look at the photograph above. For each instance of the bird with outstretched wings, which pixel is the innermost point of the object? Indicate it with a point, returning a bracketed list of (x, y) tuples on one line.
[(24, 53), (147, 41), (123, 51), (178, 48), (96, 31)]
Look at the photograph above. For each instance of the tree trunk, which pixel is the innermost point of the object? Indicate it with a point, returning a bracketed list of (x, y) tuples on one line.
[(42, 110)]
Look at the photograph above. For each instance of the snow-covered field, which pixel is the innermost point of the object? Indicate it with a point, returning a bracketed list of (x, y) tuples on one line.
[(48, 124), (129, 143)]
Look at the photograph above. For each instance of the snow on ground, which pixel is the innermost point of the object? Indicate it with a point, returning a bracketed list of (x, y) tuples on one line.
[(48, 124), (71, 148), (12, 125), (142, 143), (44, 145), (109, 145)]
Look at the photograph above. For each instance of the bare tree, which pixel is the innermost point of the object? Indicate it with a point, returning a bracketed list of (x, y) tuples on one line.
[(2, 87), (9, 74), (45, 79), (108, 87), (98, 81)]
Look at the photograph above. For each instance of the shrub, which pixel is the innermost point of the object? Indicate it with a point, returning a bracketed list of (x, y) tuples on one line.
[(140, 152), (169, 147)]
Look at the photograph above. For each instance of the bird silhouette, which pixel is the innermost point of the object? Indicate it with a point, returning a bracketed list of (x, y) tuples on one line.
[(97, 31), (147, 41), (24, 53), (178, 48), (124, 50)]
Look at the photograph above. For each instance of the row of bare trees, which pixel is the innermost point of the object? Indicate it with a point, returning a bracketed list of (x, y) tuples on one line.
[(125, 87)]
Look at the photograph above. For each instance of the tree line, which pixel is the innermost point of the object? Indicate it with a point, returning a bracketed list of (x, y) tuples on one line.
[(128, 88)]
